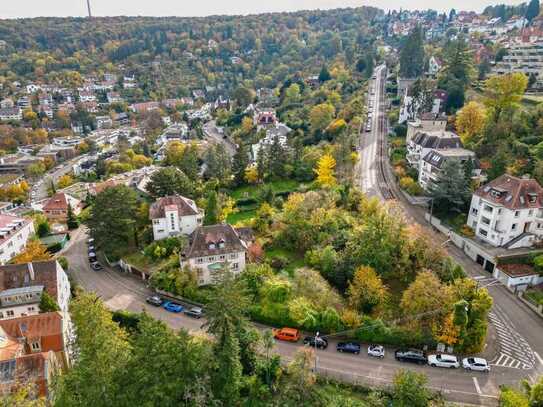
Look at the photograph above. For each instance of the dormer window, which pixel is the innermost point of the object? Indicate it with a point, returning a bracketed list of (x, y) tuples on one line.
[(532, 198), (35, 346), (211, 246), (221, 245)]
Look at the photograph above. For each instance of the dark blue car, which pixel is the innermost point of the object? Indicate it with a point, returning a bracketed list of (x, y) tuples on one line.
[(172, 306), (348, 347)]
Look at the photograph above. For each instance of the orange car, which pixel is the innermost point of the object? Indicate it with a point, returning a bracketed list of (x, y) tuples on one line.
[(286, 334)]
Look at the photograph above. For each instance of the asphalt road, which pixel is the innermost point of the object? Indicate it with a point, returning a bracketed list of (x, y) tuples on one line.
[(212, 133)]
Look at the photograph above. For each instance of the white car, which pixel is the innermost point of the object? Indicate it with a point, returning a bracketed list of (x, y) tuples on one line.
[(478, 364), (376, 351), (443, 360)]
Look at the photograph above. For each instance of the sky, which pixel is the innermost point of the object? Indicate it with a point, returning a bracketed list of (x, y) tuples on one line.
[(61, 8)]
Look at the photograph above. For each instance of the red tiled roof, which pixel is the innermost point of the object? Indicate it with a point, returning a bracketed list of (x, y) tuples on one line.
[(183, 205), (48, 324), (513, 192), (58, 202)]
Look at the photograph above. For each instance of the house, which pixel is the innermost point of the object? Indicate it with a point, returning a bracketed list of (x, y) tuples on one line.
[(508, 212), (67, 141), (7, 103), (278, 132), (517, 277), (11, 113), (173, 216), (144, 107), (103, 122), (21, 287), (423, 142), (57, 153), (33, 349), (87, 96), (114, 97), (433, 162), (32, 88), (524, 57), (212, 248), (47, 110), (426, 123), (17, 163), (263, 118), (23, 102), (56, 208), (14, 234), (176, 132), (434, 65)]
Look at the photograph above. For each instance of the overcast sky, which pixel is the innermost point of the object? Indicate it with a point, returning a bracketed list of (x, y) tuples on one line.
[(35, 8)]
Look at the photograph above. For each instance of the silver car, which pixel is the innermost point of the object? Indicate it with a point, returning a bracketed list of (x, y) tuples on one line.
[(477, 364), (377, 351)]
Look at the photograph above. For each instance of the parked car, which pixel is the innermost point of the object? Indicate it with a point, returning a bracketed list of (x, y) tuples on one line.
[(90, 248), (443, 360), (90, 241), (172, 306), (348, 347), (96, 266), (377, 351), (286, 334), (410, 355), (195, 312), (92, 257), (316, 341), (154, 300), (477, 364)]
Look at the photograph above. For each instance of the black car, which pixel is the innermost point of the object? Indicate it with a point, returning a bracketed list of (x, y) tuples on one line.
[(319, 342), (96, 266), (195, 312), (154, 300), (411, 355), (348, 347)]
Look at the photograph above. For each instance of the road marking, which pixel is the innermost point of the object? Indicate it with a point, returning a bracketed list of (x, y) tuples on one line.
[(538, 357), (500, 359), (476, 383)]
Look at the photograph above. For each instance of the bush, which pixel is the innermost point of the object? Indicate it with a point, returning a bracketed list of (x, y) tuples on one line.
[(63, 261), (375, 331), (126, 319), (408, 184), (279, 262), (400, 130), (538, 263), (164, 248)]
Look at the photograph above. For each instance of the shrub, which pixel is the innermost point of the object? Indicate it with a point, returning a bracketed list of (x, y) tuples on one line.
[(538, 263), (164, 248), (375, 331), (126, 319), (400, 130)]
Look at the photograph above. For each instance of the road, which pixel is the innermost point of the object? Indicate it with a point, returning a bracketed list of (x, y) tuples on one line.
[(39, 190), (515, 334), (212, 133)]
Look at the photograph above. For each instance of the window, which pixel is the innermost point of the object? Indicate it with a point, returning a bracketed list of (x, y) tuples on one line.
[(10, 313), (199, 260), (474, 211), (31, 309), (222, 257), (234, 256), (514, 226), (156, 222), (488, 208), (35, 346), (486, 221), (517, 214), (483, 232), (235, 266), (211, 258), (1, 315), (530, 212)]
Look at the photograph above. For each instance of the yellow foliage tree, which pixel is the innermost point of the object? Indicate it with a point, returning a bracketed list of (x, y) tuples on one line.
[(251, 174), (34, 251), (325, 171), (65, 181), (366, 292), (503, 92), (447, 332), (470, 122), (246, 126)]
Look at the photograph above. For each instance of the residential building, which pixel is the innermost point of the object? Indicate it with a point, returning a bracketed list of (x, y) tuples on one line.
[(11, 113), (144, 107), (7, 103), (508, 212), (173, 216), (104, 122), (20, 284), (434, 65), (14, 234), (17, 163), (212, 248), (263, 118), (176, 132), (56, 208), (426, 123), (57, 153), (424, 142), (114, 97), (87, 96), (23, 102), (279, 131), (524, 57), (433, 162)]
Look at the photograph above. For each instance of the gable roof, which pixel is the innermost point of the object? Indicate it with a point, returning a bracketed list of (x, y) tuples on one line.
[(58, 202), (512, 192), (207, 240), (185, 206), (42, 273), (34, 326)]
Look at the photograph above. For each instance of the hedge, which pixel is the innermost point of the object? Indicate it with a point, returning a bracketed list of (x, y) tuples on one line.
[(375, 331)]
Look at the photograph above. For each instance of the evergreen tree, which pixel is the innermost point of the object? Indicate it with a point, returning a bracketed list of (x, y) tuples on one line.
[(451, 190), (277, 159), (211, 216), (219, 164), (533, 10), (412, 55), (170, 181), (71, 220), (324, 75), (240, 164)]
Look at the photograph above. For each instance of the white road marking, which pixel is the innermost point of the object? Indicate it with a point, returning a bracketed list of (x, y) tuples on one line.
[(538, 357), (476, 383)]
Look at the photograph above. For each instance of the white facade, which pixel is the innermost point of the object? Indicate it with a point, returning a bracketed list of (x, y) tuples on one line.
[(433, 66), (498, 225), (431, 166), (436, 123), (14, 234), (516, 282), (526, 58), (207, 265), (174, 216)]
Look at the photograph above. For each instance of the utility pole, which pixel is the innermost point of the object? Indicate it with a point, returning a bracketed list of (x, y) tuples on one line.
[(89, 8)]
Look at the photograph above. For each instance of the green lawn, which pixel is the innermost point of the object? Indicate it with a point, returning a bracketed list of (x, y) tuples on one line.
[(241, 216), (251, 191), (142, 262), (294, 260), (535, 296)]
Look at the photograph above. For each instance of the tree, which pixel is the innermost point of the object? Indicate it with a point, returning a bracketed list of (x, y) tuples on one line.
[(24, 395), (425, 302), (292, 93), (212, 209), (324, 75), (251, 174), (41, 225), (112, 218), (243, 96), (366, 291), (219, 163), (48, 303), (35, 170), (503, 92), (169, 181), (412, 55), (239, 164), (325, 171), (321, 116), (65, 181), (71, 220), (300, 387), (451, 190), (34, 251), (470, 122), (103, 353), (532, 11), (184, 157), (410, 390)]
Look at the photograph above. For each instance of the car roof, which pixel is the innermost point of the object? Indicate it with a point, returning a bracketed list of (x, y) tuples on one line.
[(289, 330), (477, 360), (444, 356)]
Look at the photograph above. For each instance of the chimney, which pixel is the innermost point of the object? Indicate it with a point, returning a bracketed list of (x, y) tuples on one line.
[(31, 271)]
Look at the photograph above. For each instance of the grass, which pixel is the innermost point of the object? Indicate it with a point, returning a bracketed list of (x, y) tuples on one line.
[(241, 216), (535, 296), (144, 263), (295, 261), (251, 191)]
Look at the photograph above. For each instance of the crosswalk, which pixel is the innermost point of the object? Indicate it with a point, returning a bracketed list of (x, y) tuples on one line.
[(485, 281), (515, 352)]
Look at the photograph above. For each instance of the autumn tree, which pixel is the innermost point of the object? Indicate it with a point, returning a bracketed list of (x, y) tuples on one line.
[(65, 181), (34, 251), (320, 116), (470, 122), (366, 291), (504, 92), (325, 171)]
